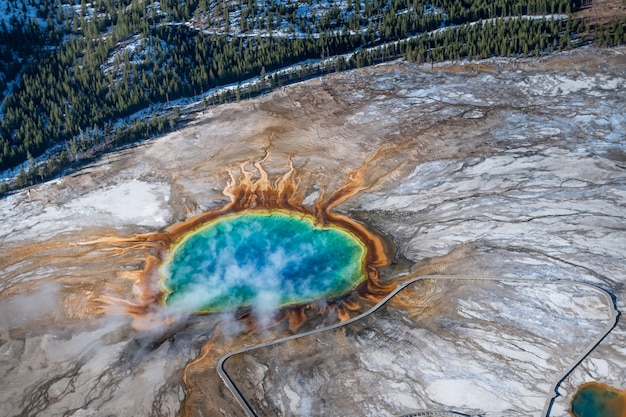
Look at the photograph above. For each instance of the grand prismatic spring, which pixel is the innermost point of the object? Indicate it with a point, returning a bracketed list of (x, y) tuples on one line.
[(262, 252), (262, 260)]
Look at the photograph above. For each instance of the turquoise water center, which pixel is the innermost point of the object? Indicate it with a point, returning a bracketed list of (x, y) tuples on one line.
[(261, 259)]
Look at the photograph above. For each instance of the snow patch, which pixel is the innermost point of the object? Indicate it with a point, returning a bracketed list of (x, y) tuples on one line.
[(133, 202), (464, 393)]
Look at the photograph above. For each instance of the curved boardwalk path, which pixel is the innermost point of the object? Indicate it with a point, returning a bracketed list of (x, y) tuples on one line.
[(408, 280)]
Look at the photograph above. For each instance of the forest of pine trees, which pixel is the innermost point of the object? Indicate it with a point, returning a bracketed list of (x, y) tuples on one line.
[(92, 64)]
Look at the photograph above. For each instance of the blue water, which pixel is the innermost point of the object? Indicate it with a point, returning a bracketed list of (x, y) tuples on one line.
[(598, 400), (261, 259)]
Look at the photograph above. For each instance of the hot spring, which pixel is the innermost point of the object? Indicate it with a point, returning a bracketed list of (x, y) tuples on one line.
[(263, 259), (595, 399)]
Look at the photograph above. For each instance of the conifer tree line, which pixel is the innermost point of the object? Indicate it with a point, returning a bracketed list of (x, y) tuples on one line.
[(69, 81)]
